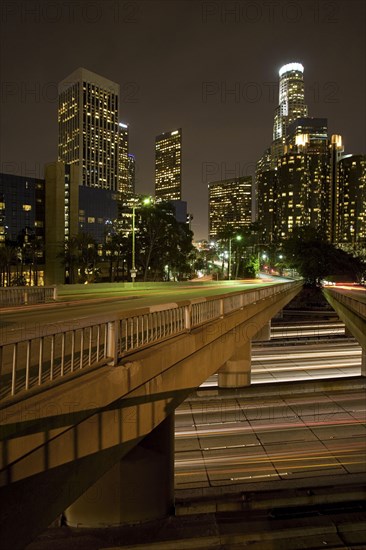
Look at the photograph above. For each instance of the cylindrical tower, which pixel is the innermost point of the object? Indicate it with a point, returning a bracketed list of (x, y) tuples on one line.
[(291, 98)]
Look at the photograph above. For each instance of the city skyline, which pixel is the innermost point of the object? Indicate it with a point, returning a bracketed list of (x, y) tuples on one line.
[(218, 80)]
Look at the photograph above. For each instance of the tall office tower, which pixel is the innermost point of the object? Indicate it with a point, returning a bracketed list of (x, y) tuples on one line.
[(230, 205), (88, 128), (351, 200), (300, 192), (291, 106), (168, 166), (123, 161), (336, 150), (131, 165)]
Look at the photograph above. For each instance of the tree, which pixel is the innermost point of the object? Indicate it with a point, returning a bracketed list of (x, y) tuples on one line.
[(115, 248), (251, 267), (31, 250), (79, 255), (163, 245), (315, 259)]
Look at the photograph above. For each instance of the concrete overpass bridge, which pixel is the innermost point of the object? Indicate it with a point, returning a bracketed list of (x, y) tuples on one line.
[(350, 305), (87, 409)]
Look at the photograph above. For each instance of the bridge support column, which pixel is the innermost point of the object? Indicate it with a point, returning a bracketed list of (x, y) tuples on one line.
[(363, 362), (264, 334), (236, 372), (139, 488)]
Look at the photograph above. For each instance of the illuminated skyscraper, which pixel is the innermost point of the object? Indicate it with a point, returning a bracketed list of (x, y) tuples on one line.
[(88, 128), (293, 178), (291, 106), (168, 166), (131, 166), (123, 149), (301, 180), (336, 150), (351, 200), (230, 205)]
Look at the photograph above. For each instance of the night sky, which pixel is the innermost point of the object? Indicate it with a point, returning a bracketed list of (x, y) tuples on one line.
[(176, 63)]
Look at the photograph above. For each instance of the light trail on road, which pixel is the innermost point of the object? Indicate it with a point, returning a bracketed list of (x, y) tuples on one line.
[(308, 358), (299, 331), (273, 438)]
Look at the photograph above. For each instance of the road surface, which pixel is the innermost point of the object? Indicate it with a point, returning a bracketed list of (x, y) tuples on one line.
[(281, 363), (245, 437)]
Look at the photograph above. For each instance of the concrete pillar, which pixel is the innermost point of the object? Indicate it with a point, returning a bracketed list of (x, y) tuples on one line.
[(363, 362), (264, 334), (139, 488), (237, 370)]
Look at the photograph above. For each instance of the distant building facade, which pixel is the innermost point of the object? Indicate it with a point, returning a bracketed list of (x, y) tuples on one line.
[(61, 216), (98, 208), (22, 205), (230, 205), (168, 166), (351, 200), (51, 211)]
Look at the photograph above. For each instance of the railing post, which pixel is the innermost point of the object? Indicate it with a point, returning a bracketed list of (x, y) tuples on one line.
[(187, 317), (222, 307), (112, 342)]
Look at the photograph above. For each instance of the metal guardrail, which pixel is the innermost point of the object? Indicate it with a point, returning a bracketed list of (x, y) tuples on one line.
[(26, 295), (44, 354)]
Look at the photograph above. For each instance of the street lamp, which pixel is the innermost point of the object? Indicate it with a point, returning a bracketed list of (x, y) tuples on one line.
[(133, 268), (238, 238)]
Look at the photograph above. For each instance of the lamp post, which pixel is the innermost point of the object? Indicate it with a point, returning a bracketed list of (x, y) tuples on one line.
[(264, 258), (238, 238), (133, 268)]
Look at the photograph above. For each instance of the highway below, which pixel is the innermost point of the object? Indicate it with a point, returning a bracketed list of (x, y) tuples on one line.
[(311, 361), (271, 431), (303, 351), (246, 436)]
